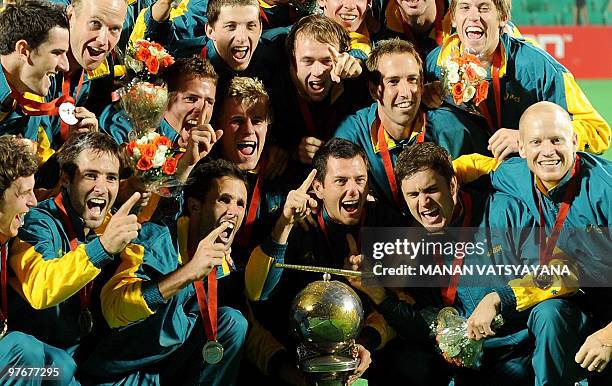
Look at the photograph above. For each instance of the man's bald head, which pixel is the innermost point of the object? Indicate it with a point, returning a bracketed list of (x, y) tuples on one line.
[(545, 114), (547, 141)]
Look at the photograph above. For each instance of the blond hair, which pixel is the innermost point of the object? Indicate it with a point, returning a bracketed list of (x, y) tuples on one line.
[(249, 91)]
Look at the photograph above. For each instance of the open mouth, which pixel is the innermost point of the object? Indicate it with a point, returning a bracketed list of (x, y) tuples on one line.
[(431, 216), (316, 85), (225, 236), (240, 52), (247, 148), (350, 206), (96, 206), (190, 123), (474, 33), (94, 53), (20, 218)]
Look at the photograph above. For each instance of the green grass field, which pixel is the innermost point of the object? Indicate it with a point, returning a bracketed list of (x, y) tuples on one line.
[(598, 92)]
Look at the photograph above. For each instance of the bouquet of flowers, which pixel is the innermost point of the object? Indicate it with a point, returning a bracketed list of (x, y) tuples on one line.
[(144, 57), (464, 79), (450, 331), (145, 97), (144, 100), (154, 160), (144, 103)]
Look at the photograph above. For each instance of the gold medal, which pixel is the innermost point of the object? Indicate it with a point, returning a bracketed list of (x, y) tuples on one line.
[(212, 352), (85, 321)]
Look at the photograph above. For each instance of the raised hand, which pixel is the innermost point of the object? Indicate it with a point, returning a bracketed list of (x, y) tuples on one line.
[(209, 253), (503, 143), (299, 204), (343, 65), (353, 261), (307, 148), (86, 121), (122, 228), (202, 138)]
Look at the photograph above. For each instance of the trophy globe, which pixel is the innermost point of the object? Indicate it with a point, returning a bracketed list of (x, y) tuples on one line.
[(326, 317)]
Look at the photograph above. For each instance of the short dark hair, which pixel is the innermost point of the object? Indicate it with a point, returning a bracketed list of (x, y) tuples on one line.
[(29, 20), (187, 68), (388, 47), (98, 142), (320, 28), (423, 156), (17, 160), (336, 148), (201, 178), (214, 7)]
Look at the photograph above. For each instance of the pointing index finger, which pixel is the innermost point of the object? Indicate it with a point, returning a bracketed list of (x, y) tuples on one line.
[(128, 205), (202, 119), (212, 236), (308, 181), (334, 52), (352, 244)]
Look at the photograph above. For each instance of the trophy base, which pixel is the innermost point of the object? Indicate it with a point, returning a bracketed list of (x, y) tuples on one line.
[(328, 370)]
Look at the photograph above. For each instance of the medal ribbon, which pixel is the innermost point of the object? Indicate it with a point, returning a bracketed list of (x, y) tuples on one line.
[(31, 107), (439, 20), (310, 126), (386, 156), (4, 308), (245, 233), (85, 292), (208, 310), (323, 227), (496, 93), (204, 52), (449, 293), (547, 246)]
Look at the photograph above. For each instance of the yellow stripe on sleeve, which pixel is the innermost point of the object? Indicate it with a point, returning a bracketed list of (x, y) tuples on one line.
[(592, 130), (121, 298), (46, 283), (470, 167), (256, 273)]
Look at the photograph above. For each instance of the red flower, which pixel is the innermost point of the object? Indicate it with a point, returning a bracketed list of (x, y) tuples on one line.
[(471, 58), (169, 166), (481, 92), (152, 64), (162, 140), (458, 93), (131, 146), (148, 150), (470, 74), (167, 61), (143, 54), (144, 163)]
